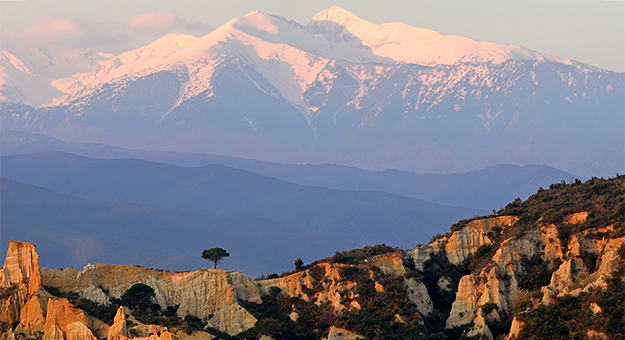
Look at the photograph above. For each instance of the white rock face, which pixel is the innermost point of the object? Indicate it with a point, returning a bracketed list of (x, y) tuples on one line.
[(232, 319), (199, 293), (418, 294)]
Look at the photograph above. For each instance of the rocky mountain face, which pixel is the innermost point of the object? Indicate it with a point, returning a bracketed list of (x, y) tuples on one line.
[(550, 267), (339, 89)]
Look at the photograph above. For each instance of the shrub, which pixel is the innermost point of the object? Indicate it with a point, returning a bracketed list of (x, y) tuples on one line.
[(357, 256), (537, 273), (317, 272), (353, 273), (435, 268), (140, 297)]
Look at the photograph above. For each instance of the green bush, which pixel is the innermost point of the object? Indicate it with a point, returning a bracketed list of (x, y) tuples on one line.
[(435, 268), (537, 273), (317, 272), (353, 273), (357, 256), (602, 198)]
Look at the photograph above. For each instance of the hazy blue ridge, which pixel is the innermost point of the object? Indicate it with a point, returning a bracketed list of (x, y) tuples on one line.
[(361, 217), (71, 231)]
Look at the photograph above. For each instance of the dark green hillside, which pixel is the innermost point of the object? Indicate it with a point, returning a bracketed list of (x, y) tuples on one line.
[(602, 198)]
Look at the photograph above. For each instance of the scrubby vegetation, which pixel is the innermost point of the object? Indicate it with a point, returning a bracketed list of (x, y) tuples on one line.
[(385, 314), (602, 198), (274, 315), (570, 317), (537, 273)]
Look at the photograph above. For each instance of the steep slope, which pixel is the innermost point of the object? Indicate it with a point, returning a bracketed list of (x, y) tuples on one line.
[(362, 217), (73, 232)]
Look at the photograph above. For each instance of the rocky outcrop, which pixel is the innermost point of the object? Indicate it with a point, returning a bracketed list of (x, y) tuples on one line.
[(119, 330), (418, 294), (467, 240), (322, 283), (20, 281), (496, 285), (232, 319), (515, 328), (21, 268), (463, 242), (65, 322), (31, 317), (389, 264), (200, 293)]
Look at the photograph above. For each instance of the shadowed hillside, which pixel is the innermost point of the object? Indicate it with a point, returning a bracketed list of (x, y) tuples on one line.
[(362, 217)]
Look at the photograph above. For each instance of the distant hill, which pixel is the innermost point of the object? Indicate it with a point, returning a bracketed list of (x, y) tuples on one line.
[(361, 217), (489, 188), (71, 231)]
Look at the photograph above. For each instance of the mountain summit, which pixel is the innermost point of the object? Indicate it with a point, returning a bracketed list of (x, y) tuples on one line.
[(407, 44), (339, 89)]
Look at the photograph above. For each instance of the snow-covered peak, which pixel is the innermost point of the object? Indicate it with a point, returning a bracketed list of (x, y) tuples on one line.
[(27, 70), (167, 45), (287, 54), (404, 43), (261, 30), (339, 16)]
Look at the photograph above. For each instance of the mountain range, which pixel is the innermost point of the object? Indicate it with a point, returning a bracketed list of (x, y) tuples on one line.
[(486, 189), (358, 217), (338, 90), (71, 231)]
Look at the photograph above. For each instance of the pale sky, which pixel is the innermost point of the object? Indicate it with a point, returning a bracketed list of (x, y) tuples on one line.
[(590, 31)]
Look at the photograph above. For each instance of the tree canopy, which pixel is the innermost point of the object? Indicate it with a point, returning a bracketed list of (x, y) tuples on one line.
[(214, 255), (139, 297)]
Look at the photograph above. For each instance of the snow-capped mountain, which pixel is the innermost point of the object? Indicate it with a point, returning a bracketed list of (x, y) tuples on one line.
[(27, 72), (406, 44), (343, 89)]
